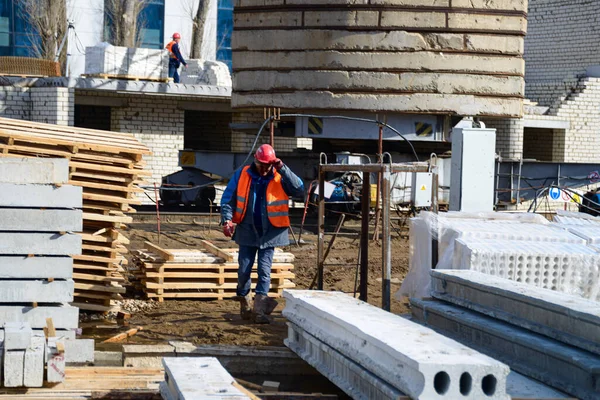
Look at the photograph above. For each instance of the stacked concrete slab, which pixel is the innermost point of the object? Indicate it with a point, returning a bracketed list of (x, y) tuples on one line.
[(105, 59), (189, 378), (549, 336), (39, 215), (419, 56), (202, 72), (372, 354)]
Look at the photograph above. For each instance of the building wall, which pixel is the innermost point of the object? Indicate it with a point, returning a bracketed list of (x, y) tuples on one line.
[(15, 102), (509, 137), (49, 105), (562, 41), (207, 130)]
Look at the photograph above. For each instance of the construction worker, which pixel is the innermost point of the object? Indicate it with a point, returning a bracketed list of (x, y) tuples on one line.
[(175, 58), (256, 199)]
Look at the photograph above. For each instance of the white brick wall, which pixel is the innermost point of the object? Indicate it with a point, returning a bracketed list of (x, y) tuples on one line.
[(53, 105), (509, 137)]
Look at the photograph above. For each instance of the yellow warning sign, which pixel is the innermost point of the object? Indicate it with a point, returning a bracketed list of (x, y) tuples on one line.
[(187, 158), (423, 187)]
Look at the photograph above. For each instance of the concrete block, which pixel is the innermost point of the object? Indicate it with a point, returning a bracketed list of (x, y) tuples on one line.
[(34, 170), (567, 318), (79, 351), (109, 359), (190, 378), (22, 219), (14, 363), (50, 244), (418, 102), (61, 334), (405, 19), (33, 371), (15, 267), (17, 335), (328, 19), (37, 291), (55, 361), (66, 196), (510, 5), (146, 356), (268, 19), (356, 381), (415, 61), (428, 365), (561, 366), (502, 23)]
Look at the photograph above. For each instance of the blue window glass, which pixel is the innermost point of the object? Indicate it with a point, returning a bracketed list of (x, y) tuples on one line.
[(17, 36), (224, 31), (150, 23)]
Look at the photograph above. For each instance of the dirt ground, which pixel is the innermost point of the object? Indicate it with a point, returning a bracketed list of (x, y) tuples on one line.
[(218, 322)]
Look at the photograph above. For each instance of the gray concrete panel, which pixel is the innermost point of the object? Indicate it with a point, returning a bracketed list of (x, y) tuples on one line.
[(14, 362), (79, 351), (17, 335), (23, 219), (14, 267), (424, 102), (563, 367), (34, 170), (570, 319), (64, 316), (48, 244), (37, 291), (33, 370), (66, 196)]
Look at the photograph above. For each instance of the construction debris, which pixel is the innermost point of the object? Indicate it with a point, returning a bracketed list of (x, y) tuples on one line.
[(107, 166), (185, 273)]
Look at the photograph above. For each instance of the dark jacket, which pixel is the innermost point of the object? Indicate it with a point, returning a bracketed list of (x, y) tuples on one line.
[(178, 59), (255, 229)]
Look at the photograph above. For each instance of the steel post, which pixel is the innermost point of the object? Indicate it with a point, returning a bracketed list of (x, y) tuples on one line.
[(321, 229), (386, 239), (364, 237)]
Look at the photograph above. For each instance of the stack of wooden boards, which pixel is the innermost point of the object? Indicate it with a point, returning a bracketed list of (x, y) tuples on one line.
[(208, 274), (108, 166)]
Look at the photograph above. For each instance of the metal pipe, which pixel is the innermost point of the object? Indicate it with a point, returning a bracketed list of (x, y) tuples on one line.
[(421, 167), (378, 192), (337, 230), (364, 239), (519, 181), (321, 223), (386, 247)]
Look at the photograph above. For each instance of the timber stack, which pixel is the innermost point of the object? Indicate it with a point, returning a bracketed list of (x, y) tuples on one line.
[(108, 166), (210, 273)]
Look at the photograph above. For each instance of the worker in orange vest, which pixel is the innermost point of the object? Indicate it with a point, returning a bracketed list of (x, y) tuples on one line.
[(175, 57), (256, 199)]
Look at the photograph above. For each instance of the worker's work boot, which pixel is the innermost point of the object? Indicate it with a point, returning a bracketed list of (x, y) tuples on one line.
[(245, 306), (260, 307), (270, 306)]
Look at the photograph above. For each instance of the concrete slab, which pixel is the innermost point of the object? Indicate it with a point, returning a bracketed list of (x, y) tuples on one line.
[(33, 371), (430, 366), (563, 367), (65, 196), (47, 244), (14, 267), (37, 291), (570, 319), (55, 361), (195, 378), (63, 334), (34, 220), (354, 380), (28, 170), (108, 359), (79, 351), (17, 335), (146, 356), (14, 362), (521, 387), (63, 315)]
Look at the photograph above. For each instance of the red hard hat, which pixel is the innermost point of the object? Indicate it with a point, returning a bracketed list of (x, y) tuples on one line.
[(176, 36), (265, 154)]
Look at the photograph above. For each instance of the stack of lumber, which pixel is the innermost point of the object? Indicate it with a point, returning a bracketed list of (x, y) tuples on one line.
[(108, 166), (208, 274)]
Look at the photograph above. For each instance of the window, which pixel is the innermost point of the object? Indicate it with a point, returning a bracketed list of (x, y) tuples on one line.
[(17, 37), (224, 30), (150, 22)]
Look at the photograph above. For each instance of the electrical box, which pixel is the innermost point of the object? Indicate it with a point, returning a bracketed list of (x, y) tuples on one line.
[(421, 189)]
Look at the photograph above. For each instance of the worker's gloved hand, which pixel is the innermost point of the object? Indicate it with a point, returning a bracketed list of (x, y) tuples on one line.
[(228, 228), (277, 164)]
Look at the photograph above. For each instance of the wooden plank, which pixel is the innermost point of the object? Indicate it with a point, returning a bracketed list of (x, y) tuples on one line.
[(278, 266), (202, 295), (217, 251), (97, 278), (94, 307), (165, 254), (107, 218), (50, 327), (99, 288), (213, 275), (207, 285), (122, 336), (96, 296)]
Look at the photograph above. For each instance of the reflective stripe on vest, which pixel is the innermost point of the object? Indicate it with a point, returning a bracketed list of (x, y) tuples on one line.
[(277, 200)]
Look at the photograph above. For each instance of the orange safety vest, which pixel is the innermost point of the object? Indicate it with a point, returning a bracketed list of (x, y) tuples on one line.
[(170, 48), (277, 200)]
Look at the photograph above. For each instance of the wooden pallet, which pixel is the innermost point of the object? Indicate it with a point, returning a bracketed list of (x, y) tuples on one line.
[(108, 166), (96, 383), (209, 274)]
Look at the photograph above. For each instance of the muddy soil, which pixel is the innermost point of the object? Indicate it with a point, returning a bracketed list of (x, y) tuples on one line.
[(218, 322)]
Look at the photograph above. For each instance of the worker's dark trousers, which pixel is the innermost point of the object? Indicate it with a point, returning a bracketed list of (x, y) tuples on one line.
[(173, 73), (246, 258)]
